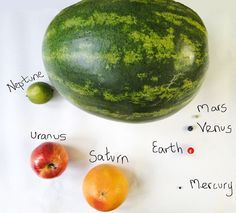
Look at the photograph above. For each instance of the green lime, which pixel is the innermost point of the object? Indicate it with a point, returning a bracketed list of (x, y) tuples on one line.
[(39, 92)]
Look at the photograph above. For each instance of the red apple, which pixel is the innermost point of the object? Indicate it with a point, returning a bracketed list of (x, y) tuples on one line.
[(49, 160)]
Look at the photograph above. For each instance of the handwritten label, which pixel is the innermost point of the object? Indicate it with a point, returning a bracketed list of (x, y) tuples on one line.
[(228, 187), (47, 136), (207, 127), (107, 156), (12, 86), (218, 108), (172, 148)]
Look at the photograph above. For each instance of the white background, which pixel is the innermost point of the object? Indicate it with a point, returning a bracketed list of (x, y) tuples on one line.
[(154, 178)]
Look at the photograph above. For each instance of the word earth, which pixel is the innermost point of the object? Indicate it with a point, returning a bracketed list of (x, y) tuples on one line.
[(173, 148)]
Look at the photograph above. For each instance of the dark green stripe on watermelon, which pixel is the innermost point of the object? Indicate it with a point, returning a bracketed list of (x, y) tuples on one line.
[(132, 60)]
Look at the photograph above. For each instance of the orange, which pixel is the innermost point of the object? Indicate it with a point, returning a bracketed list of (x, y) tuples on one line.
[(105, 187)]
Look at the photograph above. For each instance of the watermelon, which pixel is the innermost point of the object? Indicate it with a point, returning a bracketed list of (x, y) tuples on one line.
[(128, 60)]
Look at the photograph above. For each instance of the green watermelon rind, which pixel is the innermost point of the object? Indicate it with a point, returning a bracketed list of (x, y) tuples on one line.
[(152, 68)]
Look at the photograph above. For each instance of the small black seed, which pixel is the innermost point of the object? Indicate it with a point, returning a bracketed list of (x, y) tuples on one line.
[(190, 128)]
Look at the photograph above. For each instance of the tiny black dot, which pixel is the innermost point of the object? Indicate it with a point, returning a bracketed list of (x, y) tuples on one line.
[(180, 187), (190, 128)]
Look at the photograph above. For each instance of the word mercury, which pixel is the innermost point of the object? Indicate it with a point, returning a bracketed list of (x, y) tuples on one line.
[(197, 184)]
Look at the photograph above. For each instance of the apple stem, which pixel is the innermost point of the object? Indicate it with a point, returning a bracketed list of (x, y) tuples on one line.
[(51, 166)]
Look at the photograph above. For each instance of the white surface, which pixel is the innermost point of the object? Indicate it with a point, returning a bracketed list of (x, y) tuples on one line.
[(154, 178)]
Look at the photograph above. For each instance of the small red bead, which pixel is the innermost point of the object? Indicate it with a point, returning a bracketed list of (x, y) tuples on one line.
[(190, 150)]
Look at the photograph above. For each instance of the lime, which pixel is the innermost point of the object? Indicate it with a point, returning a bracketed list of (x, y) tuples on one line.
[(39, 92)]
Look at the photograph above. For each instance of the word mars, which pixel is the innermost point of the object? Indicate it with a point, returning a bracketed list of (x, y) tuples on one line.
[(206, 127)]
